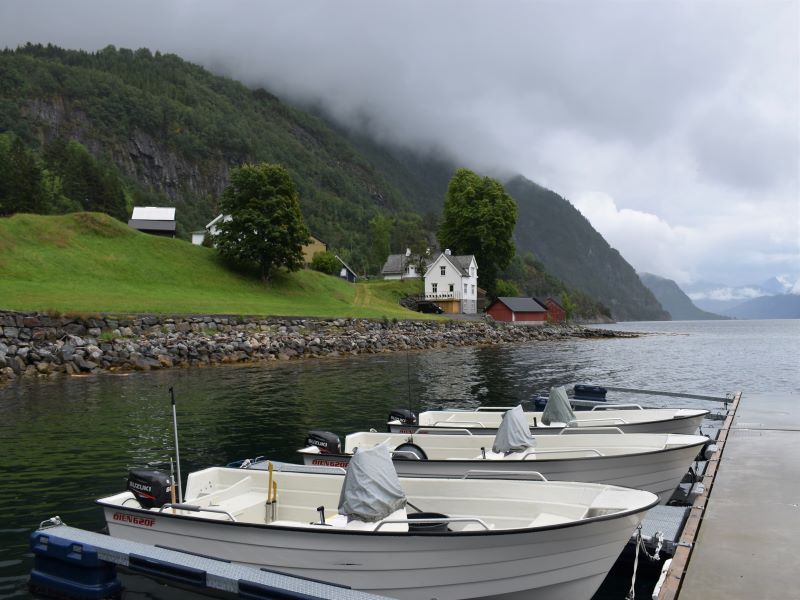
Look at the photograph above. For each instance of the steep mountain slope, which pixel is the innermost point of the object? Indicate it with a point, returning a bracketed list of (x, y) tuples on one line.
[(175, 130), (168, 132), (570, 248), (674, 300)]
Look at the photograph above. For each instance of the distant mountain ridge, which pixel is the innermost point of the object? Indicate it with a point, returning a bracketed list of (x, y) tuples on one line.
[(779, 306), (173, 130), (674, 300)]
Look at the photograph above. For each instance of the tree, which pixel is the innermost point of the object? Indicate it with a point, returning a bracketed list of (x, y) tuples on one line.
[(266, 228), (479, 218), (568, 305), (325, 262)]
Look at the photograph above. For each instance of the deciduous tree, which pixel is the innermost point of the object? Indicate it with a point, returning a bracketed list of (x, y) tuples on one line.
[(479, 218), (266, 228)]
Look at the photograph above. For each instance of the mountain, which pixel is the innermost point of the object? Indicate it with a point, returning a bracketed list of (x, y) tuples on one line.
[(780, 306), (674, 300), (724, 299), (570, 248), (116, 128)]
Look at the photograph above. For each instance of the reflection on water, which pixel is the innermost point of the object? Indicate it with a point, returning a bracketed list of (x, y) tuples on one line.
[(64, 443)]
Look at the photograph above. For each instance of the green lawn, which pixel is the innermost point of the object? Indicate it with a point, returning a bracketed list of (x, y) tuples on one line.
[(91, 263)]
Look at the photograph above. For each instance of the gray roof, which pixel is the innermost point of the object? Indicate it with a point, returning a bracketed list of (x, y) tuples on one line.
[(395, 263), (522, 304), (147, 225), (461, 262)]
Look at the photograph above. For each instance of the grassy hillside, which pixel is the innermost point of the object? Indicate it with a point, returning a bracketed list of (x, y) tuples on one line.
[(89, 262)]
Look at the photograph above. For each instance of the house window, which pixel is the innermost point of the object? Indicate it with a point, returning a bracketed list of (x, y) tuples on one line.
[(451, 288), (434, 288), (442, 269), (473, 290), (465, 289)]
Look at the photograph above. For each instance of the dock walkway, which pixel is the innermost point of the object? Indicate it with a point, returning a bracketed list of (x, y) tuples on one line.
[(748, 542)]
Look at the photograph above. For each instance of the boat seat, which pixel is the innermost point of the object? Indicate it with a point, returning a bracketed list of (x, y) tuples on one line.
[(546, 518)]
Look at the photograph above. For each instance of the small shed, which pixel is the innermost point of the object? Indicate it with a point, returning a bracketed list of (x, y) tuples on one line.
[(507, 308), (555, 312), (155, 220), (346, 272)]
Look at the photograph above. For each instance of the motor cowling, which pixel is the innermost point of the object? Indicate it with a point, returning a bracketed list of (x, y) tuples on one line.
[(152, 489), (405, 416), (327, 442), (589, 392)]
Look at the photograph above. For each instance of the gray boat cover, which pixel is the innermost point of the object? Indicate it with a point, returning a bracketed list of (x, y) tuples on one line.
[(514, 432), (371, 490), (557, 409)]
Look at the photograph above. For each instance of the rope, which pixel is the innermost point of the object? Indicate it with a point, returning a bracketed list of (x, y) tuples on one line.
[(659, 536)]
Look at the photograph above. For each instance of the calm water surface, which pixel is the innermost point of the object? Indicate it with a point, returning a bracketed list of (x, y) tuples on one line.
[(65, 443)]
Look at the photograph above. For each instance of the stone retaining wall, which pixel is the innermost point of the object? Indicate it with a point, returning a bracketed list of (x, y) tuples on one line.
[(36, 344)]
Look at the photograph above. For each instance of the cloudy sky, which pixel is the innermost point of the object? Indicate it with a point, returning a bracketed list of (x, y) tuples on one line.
[(672, 125)]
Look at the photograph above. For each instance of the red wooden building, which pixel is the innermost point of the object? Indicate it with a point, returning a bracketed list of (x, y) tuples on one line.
[(507, 308)]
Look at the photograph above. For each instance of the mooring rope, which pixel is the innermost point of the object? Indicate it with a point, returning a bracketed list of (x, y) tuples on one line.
[(659, 537)]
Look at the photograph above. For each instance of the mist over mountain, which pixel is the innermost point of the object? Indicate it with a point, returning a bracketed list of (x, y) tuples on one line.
[(168, 132)]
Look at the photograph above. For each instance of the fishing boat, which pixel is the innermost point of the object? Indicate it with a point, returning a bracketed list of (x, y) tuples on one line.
[(655, 462), (415, 538), (557, 416)]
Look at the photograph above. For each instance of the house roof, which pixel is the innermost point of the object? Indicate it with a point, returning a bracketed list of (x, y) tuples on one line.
[(346, 266), (148, 225), (521, 304), (461, 263), (153, 213), (396, 263), (544, 301)]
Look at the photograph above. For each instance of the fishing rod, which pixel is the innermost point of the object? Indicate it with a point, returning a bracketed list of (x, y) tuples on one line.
[(177, 449)]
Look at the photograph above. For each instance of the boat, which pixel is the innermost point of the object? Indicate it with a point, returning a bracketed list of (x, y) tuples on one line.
[(557, 416), (655, 462), (410, 538)]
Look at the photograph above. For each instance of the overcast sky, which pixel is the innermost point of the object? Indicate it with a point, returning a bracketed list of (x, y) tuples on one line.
[(672, 125)]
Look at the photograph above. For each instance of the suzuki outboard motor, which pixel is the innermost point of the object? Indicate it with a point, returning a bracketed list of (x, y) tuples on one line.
[(327, 442), (405, 416), (151, 488)]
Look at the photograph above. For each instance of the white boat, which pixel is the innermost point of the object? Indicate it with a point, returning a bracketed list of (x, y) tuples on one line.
[(655, 462), (557, 416), (504, 539)]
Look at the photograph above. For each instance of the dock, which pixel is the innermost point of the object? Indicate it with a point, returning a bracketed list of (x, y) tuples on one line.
[(184, 568), (741, 537)]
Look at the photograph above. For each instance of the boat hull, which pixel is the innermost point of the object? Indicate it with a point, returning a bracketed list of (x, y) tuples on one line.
[(658, 472), (551, 563), (687, 424)]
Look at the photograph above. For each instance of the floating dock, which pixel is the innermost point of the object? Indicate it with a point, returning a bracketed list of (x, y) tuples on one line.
[(174, 566), (741, 538)]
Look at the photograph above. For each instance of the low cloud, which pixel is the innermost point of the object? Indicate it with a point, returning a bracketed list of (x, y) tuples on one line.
[(686, 114)]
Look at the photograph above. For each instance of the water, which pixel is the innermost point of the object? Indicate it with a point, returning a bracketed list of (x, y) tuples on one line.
[(66, 442)]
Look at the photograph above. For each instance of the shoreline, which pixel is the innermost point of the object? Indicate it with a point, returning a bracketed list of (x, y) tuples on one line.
[(41, 345)]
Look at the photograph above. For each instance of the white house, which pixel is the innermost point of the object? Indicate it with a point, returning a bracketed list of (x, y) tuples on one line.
[(452, 283), (211, 229)]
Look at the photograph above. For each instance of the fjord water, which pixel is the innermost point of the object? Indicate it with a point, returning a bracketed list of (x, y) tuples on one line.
[(66, 442)]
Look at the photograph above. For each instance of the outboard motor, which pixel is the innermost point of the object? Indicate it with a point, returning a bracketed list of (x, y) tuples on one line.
[(589, 392), (151, 488), (405, 416), (327, 442)]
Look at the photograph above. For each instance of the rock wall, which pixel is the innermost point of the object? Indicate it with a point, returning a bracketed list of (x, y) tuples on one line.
[(37, 344)]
